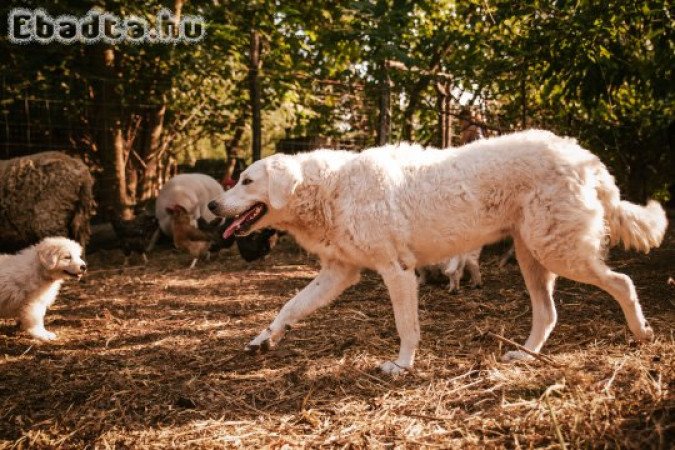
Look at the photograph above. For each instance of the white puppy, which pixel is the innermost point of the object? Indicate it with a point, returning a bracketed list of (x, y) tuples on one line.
[(454, 270), (396, 208), (31, 279)]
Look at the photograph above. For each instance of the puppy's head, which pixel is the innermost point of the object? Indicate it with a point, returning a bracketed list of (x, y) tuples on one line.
[(61, 258), (260, 196)]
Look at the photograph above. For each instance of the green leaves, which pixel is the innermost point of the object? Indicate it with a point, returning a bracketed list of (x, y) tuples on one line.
[(601, 71)]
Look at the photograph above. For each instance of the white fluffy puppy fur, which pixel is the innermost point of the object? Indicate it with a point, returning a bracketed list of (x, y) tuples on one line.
[(454, 270), (30, 281), (395, 208)]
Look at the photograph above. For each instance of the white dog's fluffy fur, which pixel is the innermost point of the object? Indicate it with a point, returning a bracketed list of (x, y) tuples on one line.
[(396, 208), (31, 279)]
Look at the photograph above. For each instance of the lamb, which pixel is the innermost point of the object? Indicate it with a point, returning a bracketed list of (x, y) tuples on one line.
[(453, 268), (192, 192), (41, 195)]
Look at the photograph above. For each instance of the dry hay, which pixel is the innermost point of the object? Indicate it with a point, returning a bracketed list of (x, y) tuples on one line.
[(152, 357)]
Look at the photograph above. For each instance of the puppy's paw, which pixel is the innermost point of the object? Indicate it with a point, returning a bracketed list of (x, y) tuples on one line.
[(516, 355), (391, 368), (42, 335)]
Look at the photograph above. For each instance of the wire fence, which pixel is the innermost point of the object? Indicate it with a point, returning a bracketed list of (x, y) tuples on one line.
[(67, 116), (32, 121)]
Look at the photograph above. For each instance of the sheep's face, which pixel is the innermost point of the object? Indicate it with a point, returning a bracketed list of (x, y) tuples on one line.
[(61, 258)]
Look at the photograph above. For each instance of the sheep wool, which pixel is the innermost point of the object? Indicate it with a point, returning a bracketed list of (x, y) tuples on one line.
[(45, 194)]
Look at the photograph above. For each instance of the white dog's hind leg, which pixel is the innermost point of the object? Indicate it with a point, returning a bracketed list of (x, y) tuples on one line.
[(402, 287), (193, 264), (540, 283), (32, 320), (619, 286), (331, 282)]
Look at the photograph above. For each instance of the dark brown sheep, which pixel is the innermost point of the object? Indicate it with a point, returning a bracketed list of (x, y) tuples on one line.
[(46, 194)]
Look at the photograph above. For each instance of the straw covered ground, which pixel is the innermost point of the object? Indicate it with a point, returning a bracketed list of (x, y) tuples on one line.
[(151, 357)]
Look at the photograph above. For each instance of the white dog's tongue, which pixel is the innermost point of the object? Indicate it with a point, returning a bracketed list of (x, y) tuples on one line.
[(229, 231)]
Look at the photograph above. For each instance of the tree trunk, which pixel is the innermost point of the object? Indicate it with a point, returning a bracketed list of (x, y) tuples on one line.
[(151, 153), (254, 86), (230, 147), (413, 103), (110, 139), (152, 147), (238, 134), (448, 121), (443, 104), (384, 124), (418, 88), (440, 107), (132, 175), (523, 99), (177, 11)]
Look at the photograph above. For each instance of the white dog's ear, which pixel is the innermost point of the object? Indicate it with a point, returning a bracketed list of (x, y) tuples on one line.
[(48, 255), (284, 176)]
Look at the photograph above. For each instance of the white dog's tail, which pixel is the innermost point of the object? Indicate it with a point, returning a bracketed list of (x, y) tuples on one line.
[(639, 227)]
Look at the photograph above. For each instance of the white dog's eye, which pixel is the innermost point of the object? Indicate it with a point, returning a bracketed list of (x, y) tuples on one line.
[(246, 181), (67, 257)]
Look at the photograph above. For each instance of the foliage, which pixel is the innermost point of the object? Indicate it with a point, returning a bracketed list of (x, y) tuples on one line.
[(600, 72)]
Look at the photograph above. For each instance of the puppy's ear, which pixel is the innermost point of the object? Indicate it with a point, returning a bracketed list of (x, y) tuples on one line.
[(284, 176), (48, 255)]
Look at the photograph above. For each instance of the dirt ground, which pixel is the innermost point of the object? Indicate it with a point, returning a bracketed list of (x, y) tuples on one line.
[(151, 357)]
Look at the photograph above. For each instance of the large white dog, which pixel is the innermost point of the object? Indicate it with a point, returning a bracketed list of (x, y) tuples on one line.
[(31, 279), (395, 208)]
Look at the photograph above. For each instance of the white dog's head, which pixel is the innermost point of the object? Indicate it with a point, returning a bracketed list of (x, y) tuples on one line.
[(61, 258), (259, 198)]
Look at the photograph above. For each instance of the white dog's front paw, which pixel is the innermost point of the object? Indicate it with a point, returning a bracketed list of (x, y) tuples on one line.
[(516, 355), (646, 334), (391, 368), (42, 335), (264, 341)]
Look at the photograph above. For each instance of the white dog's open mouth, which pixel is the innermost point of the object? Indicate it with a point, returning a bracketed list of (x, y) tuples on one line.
[(244, 221), (73, 275)]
